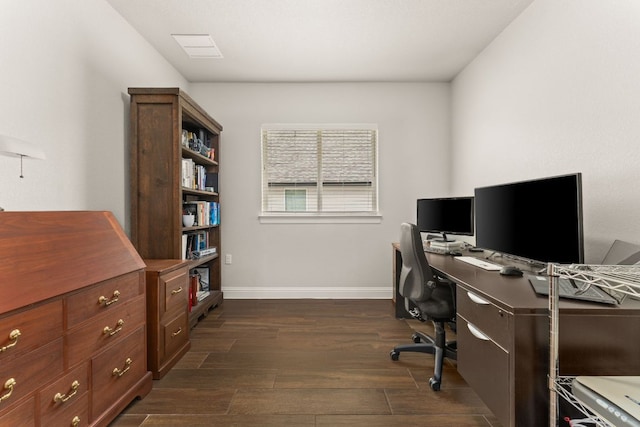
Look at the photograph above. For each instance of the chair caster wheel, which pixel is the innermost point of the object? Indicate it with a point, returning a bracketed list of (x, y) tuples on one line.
[(415, 338), (435, 385), (394, 355)]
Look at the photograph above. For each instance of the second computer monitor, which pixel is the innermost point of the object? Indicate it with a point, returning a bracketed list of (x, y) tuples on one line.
[(445, 215)]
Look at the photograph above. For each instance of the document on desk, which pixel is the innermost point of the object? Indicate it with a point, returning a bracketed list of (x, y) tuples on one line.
[(479, 263)]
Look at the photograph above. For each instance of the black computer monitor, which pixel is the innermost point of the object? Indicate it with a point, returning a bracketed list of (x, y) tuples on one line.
[(445, 215), (538, 220)]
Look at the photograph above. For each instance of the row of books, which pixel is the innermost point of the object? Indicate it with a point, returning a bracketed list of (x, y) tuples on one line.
[(203, 211), (196, 245), (196, 177), (199, 285)]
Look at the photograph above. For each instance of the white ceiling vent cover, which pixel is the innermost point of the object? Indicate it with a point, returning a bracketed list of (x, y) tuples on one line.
[(198, 45)]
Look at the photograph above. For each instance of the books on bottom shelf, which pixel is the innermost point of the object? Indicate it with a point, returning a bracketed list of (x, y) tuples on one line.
[(202, 273), (202, 295), (198, 285)]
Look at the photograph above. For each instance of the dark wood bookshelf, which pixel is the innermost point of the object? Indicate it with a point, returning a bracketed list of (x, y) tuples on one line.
[(158, 118)]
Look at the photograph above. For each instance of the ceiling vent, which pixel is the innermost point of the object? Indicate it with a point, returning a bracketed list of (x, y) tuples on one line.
[(198, 45)]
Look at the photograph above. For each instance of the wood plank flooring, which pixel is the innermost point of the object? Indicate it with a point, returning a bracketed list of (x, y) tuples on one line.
[(305, 363)]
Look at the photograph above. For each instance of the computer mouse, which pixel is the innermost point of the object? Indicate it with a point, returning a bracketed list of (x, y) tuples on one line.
[(510, 270), (455, 253)]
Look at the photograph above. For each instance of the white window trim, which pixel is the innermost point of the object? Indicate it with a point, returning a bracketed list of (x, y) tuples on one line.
[(321, 217)]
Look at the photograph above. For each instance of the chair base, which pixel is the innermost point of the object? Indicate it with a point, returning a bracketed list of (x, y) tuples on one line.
[(423, 343)]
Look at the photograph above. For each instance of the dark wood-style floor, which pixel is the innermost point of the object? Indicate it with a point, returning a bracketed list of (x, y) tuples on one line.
[(305, 363)]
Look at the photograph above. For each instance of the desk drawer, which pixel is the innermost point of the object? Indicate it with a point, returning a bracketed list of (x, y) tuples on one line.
[(22, 415), (30, 371), (176, 288), (176, 334), (491, 320), (92, 336), (104, 297), (72, 400), (116, 370), (485, 367), (26, 330)]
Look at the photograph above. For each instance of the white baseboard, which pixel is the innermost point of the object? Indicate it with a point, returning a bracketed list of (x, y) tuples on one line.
[(316, 292)]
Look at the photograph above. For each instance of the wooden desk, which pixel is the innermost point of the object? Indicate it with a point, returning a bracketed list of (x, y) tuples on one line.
[(509, 368)]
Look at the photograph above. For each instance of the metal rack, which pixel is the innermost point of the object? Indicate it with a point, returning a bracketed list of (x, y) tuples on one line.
[(620, 281)]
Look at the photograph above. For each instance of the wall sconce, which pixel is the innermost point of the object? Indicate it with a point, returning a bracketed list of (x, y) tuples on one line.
[(10, 146)]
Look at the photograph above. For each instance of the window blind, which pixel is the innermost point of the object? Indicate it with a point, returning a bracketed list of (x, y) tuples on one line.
[(334, 168)]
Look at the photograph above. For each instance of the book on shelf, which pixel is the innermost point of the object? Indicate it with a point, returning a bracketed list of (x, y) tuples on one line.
[(200, 295), (212, 181), (203, 252), (187, 173), (193, 289), (185, 246), (214, 213), (202, 273)]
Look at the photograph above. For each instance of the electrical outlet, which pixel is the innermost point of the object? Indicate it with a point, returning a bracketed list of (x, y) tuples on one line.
[(228, 259)]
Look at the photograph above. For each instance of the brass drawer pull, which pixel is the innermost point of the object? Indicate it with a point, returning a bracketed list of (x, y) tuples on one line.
[(13, 336), (75, 422), (176, 291), (176, 333), (8, 385), (59, 397), (118, 373), (106, 301), (112, 332)]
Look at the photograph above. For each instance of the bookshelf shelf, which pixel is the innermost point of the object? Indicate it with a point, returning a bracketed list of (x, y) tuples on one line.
[(187, 153), (199, 193), (174, 157)]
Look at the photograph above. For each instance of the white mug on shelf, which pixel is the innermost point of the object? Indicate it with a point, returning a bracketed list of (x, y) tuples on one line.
[(188, 220)]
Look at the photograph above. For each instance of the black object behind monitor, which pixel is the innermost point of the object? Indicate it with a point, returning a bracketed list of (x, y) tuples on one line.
[(446, 215), (540, 220)]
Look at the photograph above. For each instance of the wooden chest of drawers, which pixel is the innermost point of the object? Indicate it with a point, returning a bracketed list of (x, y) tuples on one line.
[(72, 319), (167, 313)]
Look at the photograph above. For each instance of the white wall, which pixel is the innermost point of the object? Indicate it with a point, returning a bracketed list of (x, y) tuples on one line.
[(558, 92), (324, 260), (66, 67)]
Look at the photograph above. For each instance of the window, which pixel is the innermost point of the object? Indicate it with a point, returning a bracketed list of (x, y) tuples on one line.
[(295, 200), (319, 170)]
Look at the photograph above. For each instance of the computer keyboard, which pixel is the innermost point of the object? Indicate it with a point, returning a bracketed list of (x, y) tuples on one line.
[(479, 263), (568, 288), (436, 250)]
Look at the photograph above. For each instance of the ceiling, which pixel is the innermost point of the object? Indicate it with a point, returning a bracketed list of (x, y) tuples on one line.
[(323, 40)]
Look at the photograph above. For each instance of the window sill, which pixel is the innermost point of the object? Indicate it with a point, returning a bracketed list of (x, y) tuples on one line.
[(337, 218)]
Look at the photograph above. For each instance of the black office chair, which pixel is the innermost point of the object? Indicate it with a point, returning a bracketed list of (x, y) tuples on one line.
[(427, 297)]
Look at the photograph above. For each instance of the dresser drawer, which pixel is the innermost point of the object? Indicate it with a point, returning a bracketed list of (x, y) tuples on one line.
[(25, 330), (485, 367), (491, 320), (66, 397), (103, 330), (75, 414), (116, 370), (176, 334), (22, 415), (31, 371), (176, 290), (103, 297)]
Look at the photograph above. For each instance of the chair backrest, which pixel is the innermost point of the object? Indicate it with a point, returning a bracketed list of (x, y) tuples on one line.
[(417, 280)]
